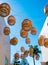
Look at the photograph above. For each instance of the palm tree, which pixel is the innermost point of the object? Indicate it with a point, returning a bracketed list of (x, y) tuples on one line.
[(35, 52)]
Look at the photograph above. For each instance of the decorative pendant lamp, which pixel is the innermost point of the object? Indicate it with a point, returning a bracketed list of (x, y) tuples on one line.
[(27, 40), (6, 31), (23, 34), (33, 31), (26, 25), (11, 20), (41, 40), (14, 41), (22, 49), (46, 10), (5, 10)]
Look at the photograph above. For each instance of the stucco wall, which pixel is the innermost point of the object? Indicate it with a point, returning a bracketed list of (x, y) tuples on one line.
[(44, 32), (4, 43)]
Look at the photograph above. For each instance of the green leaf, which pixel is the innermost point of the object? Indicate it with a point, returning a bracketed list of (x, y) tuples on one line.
[(30, 46)]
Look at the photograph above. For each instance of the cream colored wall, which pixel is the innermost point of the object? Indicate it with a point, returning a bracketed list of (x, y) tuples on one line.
[(4, 43)]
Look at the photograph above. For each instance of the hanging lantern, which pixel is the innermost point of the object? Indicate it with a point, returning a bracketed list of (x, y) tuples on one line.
[(27, 40), (14, 41), (5, 10), (11, 20), (37, 57), (46, 10), (23, 34), (26, 25), (33, 31), (22, 49), (22, 56), (6, 5), (31, 52), (41, 40), (16, 55), (26, 53), (0, 6), (46, 42), (6, 31)]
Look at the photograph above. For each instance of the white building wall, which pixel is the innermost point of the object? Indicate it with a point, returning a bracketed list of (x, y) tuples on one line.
[(4, 43), (44, 32)]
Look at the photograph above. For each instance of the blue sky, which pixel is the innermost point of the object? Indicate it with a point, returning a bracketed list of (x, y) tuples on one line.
[(21, 9)]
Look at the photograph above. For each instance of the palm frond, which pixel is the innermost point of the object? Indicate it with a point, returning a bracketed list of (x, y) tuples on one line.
[(30, 46), (36, 46), (36, 50)]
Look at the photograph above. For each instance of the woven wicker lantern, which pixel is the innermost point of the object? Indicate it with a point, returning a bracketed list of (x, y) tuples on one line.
[(46, 10), (11, 20), (16, 55), (37, 57), (46, 42), (5, 10), (6, 31), (0, 6), (26, 53), (31, 52), (23, 34), (41, 40), (14, 41), (33, 31), (22, 49), (27, 40), (26, 25), (22, 56)]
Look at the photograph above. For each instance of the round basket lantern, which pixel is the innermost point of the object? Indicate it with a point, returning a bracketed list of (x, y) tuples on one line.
[(0, 6), (46, 10), (5, 10), (22, 49), (41, 40), (33, 31), (22, 56), (37, 57), (46, 43), (14, 41), (26, 53), (31, 52), (16, 55), (26, 25), (11, 20), (6, 31), (0, 9), (27, 40), (23, 34)]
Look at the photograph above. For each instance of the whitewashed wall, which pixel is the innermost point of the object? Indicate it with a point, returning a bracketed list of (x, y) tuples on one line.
[(44, 32), (4, 43)]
